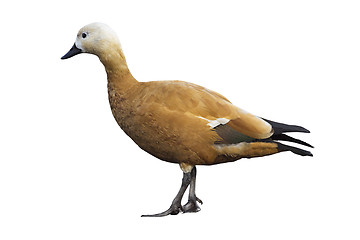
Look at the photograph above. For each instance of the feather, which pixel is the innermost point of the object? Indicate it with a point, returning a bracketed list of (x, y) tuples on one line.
[(281, 127), (284, 137)]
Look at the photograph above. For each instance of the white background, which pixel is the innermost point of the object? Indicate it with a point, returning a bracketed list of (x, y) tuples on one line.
[(67, 171)]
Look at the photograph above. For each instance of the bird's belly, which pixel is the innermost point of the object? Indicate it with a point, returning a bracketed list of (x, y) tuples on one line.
[(162, 143), (168, 140)]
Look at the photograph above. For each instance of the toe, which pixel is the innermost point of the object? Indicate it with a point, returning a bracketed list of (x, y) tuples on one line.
[(173, 210)]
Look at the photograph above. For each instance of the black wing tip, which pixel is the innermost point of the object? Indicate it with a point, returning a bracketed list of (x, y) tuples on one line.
[(304, 130), (282, 127), (298, 151), (295, 128), (284, 137)]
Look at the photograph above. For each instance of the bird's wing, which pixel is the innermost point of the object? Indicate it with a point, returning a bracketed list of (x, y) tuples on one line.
[(230, 122)]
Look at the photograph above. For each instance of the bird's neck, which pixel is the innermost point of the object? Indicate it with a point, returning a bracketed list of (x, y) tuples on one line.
[(118, 73)]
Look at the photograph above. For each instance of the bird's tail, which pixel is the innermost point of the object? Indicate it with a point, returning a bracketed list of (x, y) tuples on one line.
[(262, 147), (233, 152), (284, 137), (282, 147), (280, 129)]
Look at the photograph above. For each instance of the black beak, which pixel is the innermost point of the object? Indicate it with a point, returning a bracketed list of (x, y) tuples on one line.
[(72, 52)]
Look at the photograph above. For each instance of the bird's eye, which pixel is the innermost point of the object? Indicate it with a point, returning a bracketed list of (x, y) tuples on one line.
[(84, 35)]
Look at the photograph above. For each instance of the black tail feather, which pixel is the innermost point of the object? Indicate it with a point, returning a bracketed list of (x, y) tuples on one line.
[(284, 137), (281, 127), (301, 152)]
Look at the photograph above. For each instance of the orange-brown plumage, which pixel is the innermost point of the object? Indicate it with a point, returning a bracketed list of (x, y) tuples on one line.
[(177, 121), (167, 119)]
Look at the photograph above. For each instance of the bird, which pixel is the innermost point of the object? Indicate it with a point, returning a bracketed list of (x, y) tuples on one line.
[(181, 122)]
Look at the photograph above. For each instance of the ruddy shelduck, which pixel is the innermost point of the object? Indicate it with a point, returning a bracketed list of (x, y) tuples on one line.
[(181, 122)]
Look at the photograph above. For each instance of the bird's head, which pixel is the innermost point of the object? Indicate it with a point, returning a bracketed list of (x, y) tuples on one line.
[(95, 38)]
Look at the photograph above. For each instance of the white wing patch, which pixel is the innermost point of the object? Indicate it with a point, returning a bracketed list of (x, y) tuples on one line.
[(215, 123)]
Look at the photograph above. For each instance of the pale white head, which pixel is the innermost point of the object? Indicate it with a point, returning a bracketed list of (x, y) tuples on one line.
[(95, 38)]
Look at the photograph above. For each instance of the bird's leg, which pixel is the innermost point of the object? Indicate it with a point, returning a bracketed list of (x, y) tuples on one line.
[(191, 205), (175, 207)]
